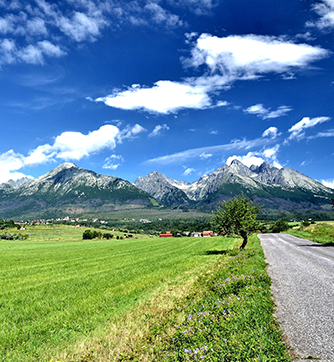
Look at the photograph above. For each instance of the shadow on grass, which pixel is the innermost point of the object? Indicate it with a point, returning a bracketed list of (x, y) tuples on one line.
[(222, 252)]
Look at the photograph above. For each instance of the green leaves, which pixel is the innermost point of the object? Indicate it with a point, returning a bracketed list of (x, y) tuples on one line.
[(238, 217)]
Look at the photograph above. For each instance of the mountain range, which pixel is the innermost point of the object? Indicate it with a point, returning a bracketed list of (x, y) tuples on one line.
[(272, 187), (72, 190)]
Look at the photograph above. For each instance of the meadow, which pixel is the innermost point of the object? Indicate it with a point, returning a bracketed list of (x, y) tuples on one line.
[(67, 299), (319, 232)]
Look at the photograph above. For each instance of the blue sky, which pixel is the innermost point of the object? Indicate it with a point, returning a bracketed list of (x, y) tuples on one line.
[(124, 88)]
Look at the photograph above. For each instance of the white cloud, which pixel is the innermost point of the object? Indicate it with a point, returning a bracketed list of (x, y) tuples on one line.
[(297, 130), (248, 56), (82, 26), (164, 97), (266, 113), (69, 146), (157, 130), (328, 133), (228, 59), (199, 7), (32, 54), (130, 132), (268, 155), (205, 155), (325, 9), (160, 15), (188, 171), (10, 162), (248, 160), (328, 183), (110, 162), (270, 132), (257, 109)]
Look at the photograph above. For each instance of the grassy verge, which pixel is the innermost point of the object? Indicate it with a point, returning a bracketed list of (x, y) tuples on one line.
[(321, 232), (222, 314)]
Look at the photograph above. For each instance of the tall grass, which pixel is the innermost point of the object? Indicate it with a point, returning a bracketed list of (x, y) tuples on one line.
[(321, 232), (55, 294)]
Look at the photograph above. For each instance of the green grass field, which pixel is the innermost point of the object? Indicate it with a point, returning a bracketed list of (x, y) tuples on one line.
[(320, 232), (66, 299), (55, 292)]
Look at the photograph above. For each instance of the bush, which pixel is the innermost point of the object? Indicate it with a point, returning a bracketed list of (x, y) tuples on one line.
[(279, 226), (87, 235), (11, 236), (108, 236)]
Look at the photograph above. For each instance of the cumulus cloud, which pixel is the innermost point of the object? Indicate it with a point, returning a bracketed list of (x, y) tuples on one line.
[(270, 132), (265, 113), (268, 155), (164, 97), (226, 60), (32, 54), (69, 146), (10, 162), (158, 129), (328, 183), (297, 130), (248, 56)]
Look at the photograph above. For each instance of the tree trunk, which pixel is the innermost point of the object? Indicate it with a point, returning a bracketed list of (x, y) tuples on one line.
[(245, 239)]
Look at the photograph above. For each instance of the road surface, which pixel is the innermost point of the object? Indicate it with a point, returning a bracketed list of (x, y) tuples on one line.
[(302, 275)]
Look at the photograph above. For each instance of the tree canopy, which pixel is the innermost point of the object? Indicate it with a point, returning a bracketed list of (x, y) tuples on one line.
[(237, 216)]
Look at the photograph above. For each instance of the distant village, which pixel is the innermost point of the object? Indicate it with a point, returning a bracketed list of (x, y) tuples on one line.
[(83, 223)]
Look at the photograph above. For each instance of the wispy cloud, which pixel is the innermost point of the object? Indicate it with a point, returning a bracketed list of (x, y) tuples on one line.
[(328, 133), (188, 171), (266, 113), (158, 130), (297, 130), (325, 10), (113, 162), (211, 150)]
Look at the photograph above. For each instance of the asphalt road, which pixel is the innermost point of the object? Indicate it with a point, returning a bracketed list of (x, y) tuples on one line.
[(302, 275)]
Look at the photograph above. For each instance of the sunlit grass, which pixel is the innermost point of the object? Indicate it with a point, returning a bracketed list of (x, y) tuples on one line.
[(55, 293), (320, 232)]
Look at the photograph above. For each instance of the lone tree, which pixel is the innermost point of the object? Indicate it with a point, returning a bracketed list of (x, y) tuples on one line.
[(237, 216)]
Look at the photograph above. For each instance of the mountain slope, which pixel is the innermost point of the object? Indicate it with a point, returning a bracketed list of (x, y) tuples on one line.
[(164, 189), (273, 187), (70, 188)]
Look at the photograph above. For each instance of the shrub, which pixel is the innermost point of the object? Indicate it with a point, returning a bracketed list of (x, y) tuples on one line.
[(279, 226), (87, 235)]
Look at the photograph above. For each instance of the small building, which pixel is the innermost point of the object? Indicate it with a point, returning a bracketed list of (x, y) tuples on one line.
[(168, 234), (196, 235), (207, 234)]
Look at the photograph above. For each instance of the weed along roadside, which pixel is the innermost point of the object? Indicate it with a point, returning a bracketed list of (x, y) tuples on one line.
[(233, 318), (224, 314)]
